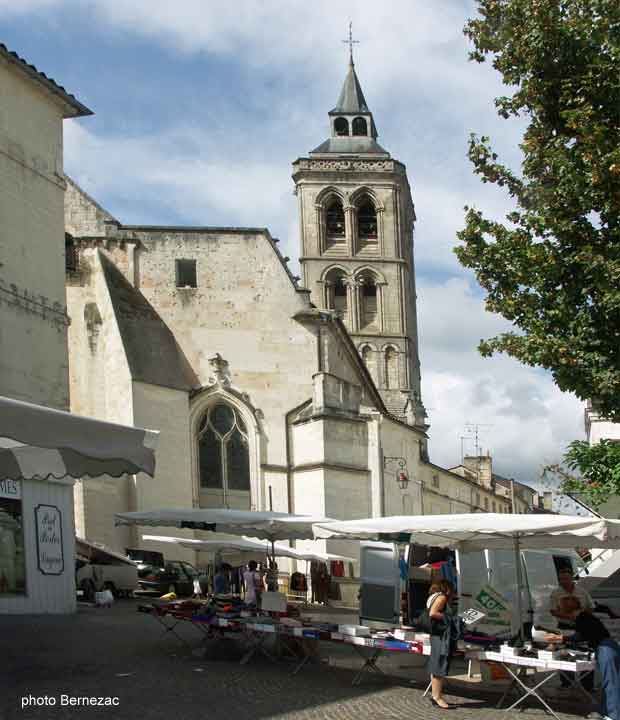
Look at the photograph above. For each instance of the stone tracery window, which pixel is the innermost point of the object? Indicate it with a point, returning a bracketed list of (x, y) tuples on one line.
[(224, 458)]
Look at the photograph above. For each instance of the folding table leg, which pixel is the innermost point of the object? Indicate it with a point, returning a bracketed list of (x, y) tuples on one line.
[(530, 690), (170, 628), (370, 663)]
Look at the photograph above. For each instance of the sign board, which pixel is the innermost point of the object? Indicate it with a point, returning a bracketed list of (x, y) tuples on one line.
[(48, 527), (493, 605), (471, 616), (11, 489)]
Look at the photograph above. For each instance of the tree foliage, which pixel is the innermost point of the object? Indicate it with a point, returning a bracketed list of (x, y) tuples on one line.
[(598, 468), (552, 267)]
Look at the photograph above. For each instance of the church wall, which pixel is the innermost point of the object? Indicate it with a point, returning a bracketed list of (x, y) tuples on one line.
[(166, 410), (32, 295), (100, 386), (242, 309), (400, 441), (83, 217)]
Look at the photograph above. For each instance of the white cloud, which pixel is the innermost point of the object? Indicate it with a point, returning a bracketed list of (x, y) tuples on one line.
[(426, 99), (525, 420)]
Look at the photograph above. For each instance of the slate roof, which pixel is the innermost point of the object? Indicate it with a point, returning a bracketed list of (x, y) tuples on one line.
[(77, 109), (153, 354), (352, 145), (351, 98)]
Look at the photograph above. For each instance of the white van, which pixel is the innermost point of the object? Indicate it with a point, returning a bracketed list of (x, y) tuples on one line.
[(485, 580)]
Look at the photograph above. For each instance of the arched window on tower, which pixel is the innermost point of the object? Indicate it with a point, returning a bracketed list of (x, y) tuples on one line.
[(369, 302), (391, 368), (369, 357), (341, 126), (334, 221), (360, 126), (224, 458), (337, 297), (366, 220)]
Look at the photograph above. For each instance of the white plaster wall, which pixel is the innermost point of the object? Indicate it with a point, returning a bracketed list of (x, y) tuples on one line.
[(31, 243), (45, 593)]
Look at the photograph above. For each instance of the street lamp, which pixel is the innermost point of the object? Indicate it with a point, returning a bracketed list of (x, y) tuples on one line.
[(401, 475)]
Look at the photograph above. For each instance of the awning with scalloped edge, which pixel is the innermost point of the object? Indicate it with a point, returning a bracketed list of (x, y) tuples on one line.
[(38, 443)]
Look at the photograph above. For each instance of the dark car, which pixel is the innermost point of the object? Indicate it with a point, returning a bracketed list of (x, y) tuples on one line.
[(173, 576)]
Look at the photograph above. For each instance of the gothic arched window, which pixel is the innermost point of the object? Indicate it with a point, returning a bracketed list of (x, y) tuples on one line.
[(369, 306), (360, 126), (224, 458), (334, 220), (337, 297), (366, 219), (369, 356), (391, 368), (341, 126)]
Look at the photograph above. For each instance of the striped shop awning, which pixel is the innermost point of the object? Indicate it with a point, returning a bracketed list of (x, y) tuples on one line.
[(37, 442)]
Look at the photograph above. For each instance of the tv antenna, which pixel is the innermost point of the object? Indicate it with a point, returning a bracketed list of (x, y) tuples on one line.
[(462, 438), (475, 429)]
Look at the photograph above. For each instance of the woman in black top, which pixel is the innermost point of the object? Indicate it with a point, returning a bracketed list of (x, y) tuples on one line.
[(444, 634)]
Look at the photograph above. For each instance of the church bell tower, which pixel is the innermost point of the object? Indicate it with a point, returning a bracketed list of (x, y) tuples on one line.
[(357, 218)]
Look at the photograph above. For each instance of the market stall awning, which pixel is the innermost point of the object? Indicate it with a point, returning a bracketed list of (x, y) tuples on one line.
[(37, 442), (475, 531), (248, 545), (270, 526), (98, 553)]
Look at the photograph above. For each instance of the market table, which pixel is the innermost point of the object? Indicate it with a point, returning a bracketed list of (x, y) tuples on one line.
[(370, 649), (517, 667)]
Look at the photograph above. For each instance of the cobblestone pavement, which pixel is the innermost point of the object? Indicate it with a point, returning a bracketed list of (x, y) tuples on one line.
[(120, 653)]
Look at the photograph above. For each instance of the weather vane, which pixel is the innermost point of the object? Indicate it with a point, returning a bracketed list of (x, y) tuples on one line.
[(351, 42)]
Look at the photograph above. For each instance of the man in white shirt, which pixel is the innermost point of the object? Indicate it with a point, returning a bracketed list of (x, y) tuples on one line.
[(562, 606), (568, 589)]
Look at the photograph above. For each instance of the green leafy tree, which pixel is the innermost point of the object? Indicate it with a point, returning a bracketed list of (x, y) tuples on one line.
[(598, 468), (552, 267)]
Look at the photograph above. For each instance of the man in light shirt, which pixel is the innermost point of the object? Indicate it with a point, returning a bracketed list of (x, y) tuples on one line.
[(568, 589), (563, 602)]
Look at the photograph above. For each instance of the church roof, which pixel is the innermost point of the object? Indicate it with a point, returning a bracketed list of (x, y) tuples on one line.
[(153, 354), (77, 109), (350, 145), (351, 98)]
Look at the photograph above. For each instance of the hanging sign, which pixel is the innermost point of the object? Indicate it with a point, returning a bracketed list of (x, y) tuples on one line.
[(494, 605), (11, 489), (48, 527)]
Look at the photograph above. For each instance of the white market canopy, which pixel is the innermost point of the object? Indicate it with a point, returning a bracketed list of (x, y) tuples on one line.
[(477, 531), (270, 526), (37, 442), (247, 545)]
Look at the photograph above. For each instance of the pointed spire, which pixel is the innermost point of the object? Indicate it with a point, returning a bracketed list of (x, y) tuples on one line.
[(351, 98)]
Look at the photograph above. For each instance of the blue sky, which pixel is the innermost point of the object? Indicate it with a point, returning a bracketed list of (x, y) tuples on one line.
[(200, 108)]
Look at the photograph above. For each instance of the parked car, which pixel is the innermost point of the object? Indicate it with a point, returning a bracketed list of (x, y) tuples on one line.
[(173, 576), (100, 568)]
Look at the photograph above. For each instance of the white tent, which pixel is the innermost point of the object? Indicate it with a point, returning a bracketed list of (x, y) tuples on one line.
[(270, 526), (248, 545), (477, 531), (37, 442)]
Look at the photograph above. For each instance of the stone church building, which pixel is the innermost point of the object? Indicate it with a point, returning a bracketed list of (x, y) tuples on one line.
[(262, 385)]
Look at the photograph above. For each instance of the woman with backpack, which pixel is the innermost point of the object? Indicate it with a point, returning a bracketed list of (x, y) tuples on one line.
[(444, 628)]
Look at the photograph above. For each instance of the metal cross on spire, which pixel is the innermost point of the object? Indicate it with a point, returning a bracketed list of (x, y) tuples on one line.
[(351, 42)]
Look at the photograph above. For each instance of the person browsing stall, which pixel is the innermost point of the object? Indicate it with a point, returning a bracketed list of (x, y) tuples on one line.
[(444, 634), (607, 652)]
